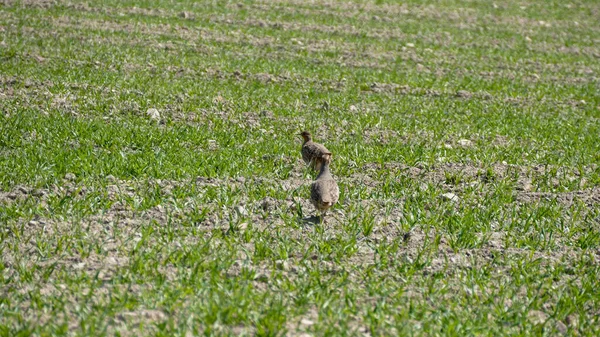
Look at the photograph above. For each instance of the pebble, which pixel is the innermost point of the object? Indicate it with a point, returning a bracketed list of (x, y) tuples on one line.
[(465, 142), (153, 114), (450, 197), (537, 317), (305, 321), (282, 265), (241, 210)]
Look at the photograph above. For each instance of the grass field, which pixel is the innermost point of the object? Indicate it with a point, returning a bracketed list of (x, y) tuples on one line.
[(186, 220)]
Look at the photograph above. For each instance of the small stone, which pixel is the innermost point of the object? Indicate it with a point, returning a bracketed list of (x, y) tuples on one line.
[(241, 210), (450, 197), (537, 317), (111, 178), (561, 327), (353, 108), (112, 189), (70, 176), (465, 142), (572, 320), (153, 114), (410, 45), (305, 321), (79, 266), (241, 179), (33, 223), (266, 204), (185, 15), (243, 226)]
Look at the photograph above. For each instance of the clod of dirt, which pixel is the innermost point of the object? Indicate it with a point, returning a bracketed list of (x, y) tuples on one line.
[(561, 327), (112, 190), (24, 190), (153, 114), (572, 320), (282, 265), (219, 100), (267, 204), (537, 317), (261, 277), (465, 143), (185, 15), (212, 145), (38, 193), (464, 94), (241, 210), (526, 185), (450, 197), (422, 69), (79, 266)]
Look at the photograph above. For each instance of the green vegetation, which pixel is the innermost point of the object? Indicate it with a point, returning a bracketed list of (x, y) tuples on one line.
[(465, 142)]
